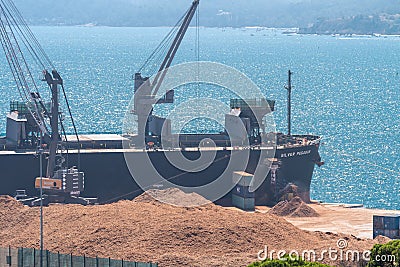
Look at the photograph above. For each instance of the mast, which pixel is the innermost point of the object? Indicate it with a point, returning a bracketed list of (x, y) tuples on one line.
[(289, 101), (54, 113)]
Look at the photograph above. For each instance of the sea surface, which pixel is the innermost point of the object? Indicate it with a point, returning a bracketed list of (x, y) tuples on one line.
[(346, 89)]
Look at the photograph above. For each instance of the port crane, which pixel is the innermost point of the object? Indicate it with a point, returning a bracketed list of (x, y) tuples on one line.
[(149, 125), (33, 122)]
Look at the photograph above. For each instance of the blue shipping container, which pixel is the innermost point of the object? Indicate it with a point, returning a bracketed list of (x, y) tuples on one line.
[(378, 222), (247, 204), (386, 225), (242, 178), (391, 222), (243, 191)]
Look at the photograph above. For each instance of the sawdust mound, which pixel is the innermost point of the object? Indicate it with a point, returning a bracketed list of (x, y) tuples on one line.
[(140, 230), (296, 207), (280, 209), (304, 211), (172, 196), (9, 203), (382, 239)]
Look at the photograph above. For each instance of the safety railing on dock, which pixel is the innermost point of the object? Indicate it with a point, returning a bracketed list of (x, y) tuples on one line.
[(28, 257)]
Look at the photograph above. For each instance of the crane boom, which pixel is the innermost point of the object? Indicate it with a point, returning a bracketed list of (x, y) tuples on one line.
[(145, 98), (174, 48), (28, 88), (22, 76), (21, 47)]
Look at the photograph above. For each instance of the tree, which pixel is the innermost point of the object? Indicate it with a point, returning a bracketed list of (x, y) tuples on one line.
[(287, 262), (385, 255)]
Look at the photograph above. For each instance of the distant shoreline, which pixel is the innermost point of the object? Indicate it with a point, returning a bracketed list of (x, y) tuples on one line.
[(286, 31)]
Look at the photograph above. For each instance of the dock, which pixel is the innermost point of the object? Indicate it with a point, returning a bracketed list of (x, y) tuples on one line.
[(348, 219)]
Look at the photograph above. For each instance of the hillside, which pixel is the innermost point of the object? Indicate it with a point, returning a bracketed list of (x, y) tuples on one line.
[(215, 13), (382, 24)]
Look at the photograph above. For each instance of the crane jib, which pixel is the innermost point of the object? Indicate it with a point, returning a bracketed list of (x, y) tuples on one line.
[(40, 121), (145, 90)]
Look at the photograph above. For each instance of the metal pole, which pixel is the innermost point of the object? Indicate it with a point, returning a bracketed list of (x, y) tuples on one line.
[(41, 199), (54, 130), (289, 101), (9, 256)]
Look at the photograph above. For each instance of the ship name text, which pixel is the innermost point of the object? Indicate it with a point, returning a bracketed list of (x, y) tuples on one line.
[(294, 154)]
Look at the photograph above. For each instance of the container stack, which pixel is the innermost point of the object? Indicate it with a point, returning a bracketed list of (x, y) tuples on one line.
[(387, 225), (242, 198)]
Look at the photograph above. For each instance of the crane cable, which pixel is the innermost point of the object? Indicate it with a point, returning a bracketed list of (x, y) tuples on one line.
[(37, 53), (164, 44), (198, 50), (74, 126), (22, 81), (20, 28), (161, 50), (28, 35)]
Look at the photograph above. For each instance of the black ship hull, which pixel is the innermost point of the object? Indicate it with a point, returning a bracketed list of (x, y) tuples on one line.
[(108, 178)]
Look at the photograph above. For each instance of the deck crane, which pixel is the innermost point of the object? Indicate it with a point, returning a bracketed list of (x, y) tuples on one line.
[(40, 119), (149, 125)]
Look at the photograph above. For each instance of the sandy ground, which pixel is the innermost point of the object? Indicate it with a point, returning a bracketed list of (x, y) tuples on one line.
[(336, 218)]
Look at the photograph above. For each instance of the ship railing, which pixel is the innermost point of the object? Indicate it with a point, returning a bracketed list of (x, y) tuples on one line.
[(300, 141)]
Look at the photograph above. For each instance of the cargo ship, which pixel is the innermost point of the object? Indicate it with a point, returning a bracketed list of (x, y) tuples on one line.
[(282, 164)]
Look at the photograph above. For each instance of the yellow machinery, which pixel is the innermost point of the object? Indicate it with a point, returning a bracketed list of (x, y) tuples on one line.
[(48, 183)]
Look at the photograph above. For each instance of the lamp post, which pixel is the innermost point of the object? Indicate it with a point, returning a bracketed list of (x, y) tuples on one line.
[(41, 197)]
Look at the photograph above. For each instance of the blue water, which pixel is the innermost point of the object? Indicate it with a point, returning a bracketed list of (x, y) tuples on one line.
[(345, 89)]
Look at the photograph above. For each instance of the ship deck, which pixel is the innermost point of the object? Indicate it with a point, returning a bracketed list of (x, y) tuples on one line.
[(113, 143)]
